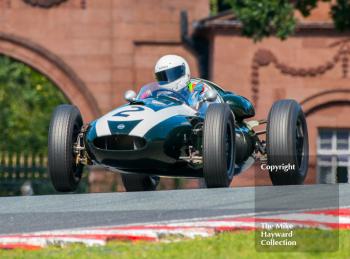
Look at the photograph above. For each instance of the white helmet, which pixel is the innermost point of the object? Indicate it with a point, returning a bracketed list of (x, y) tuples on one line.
[(172, 72)]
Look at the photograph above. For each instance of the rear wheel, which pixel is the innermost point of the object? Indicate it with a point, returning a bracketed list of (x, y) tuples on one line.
[(65, 126), (138, 182), (218, 146), (287, 143)]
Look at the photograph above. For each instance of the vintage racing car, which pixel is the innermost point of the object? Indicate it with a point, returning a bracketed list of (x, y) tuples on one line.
[(160, 132)]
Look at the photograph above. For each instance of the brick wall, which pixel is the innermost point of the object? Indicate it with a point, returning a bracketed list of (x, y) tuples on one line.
[(111, 45), (322, 87)]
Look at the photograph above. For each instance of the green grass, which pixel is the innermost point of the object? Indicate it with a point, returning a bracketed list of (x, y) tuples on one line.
[(227, 245)]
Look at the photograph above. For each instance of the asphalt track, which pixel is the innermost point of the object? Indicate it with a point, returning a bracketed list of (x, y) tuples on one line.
[(26, 214)]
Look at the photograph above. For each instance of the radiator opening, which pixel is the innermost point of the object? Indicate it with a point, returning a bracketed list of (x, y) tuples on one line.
[(120, 142)]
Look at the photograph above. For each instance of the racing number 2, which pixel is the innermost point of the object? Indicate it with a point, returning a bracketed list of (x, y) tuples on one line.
[(125, 113)]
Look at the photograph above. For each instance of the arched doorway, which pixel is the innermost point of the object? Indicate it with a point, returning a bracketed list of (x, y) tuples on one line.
[(27, 99), (54, 68), (26, 167)]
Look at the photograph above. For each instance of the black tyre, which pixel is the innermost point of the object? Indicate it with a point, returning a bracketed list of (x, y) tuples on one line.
[(65, 126), (287, 143), (139, 183), (218, 146)]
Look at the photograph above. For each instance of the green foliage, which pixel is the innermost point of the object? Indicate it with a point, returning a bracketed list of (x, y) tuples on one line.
[(341, 14), (213, 7), (305, 7), (27, 99), (266, 18)]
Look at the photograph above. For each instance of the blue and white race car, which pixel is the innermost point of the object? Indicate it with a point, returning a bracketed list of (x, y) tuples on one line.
[(161, 132)]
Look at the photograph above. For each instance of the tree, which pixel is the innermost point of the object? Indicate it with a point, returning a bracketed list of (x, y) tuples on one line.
[(27, 99), (266, 18)]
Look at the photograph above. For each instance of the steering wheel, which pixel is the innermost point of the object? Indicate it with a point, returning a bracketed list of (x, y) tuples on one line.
[(177, 95)]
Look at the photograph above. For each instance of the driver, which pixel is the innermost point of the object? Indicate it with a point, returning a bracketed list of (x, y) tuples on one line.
[(172, 72)]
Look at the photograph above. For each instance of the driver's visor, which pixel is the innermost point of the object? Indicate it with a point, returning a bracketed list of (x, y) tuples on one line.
[(170, 75)]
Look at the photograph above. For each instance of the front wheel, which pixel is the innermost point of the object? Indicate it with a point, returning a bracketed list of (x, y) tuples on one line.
[(65, 126), (218, 146), (287, 143), (138, 182)]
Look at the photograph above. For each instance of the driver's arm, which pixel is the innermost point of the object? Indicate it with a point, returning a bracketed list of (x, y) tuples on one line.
[(201, 88), (197, 87), (197, 90)]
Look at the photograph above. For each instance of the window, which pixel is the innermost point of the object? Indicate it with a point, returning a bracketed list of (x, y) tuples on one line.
[(333, 156)]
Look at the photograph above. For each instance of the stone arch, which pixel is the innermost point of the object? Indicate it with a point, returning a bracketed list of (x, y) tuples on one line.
[(325, 98), (54, 68)]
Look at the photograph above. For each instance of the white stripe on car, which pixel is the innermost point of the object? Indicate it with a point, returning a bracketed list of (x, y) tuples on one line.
[(149, 118)]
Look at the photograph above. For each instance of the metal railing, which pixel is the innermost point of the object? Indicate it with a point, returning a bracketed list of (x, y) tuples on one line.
[(26, 174)]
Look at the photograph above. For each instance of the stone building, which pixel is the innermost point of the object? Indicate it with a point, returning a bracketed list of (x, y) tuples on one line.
[(94, 50)]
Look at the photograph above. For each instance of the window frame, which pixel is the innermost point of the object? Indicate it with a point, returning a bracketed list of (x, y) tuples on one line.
[(334, 153)]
